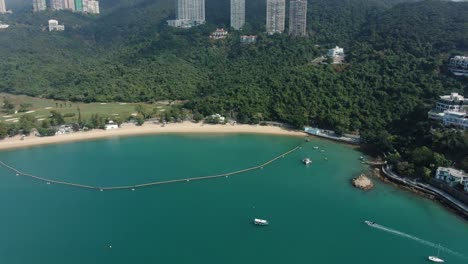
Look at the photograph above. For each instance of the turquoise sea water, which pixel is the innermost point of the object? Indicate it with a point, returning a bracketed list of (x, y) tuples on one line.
[(315, 215)]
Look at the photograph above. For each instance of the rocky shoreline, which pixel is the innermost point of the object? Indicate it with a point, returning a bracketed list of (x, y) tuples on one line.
[(377, 173)]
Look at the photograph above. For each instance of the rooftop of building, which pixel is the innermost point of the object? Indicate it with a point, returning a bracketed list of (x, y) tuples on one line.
[(460, 58), (453, 97)]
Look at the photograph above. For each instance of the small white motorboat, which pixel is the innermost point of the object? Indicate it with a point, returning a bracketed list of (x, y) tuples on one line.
[(369, 223), (436, 259), (307, 161), (260, 222)]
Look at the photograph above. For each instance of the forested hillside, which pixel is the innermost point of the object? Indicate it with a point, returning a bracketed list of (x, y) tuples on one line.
[(396, 53)]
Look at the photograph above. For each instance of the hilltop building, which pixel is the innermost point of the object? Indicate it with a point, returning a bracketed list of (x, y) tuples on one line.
[(452, 176), (459, 65), (451, 110), (298, 18), (39, 5), (219, 33), (2, 7), (237, 14), (189, 13), (54, 26), (91, 6), (248, 39), (336, 54), (275, 16)]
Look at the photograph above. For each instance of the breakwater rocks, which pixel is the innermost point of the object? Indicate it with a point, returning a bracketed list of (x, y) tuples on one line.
[(362, 182)]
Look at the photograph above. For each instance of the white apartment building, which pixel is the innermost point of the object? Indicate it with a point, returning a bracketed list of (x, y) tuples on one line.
[(451, 110), (54, 26), (237, 14), (459, 61), (453, 102), (275, 16), (452, 176), (459, 65), (456, 119)]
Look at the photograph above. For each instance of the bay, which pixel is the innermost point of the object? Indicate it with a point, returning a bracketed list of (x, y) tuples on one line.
[(315, 215)]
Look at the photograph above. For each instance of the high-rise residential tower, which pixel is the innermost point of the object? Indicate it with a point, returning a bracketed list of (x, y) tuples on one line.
[(189, 13), (237, 14), (297, 18), (2, 7), (39, 5), (69, 4), (56, 4), (91, 6), (275, 16), (191, 10), (79, 5)]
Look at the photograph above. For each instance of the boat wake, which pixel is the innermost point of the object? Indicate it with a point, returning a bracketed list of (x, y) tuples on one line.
[(417, 239)]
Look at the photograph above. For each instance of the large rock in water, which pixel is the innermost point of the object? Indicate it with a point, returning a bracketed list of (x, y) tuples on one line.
[(362, 182)]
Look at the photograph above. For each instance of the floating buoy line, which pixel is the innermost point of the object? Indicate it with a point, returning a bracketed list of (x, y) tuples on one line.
[(133, 187)]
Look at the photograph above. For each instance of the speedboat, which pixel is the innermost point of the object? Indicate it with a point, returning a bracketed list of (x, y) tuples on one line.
[(369, 223), (307, 161), (260, 222), (435, 259)]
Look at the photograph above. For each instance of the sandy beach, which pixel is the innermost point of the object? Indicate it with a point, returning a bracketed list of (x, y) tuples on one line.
[(146, 129)]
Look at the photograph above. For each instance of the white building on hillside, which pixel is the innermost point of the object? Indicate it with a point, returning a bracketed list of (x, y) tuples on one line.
[(336, 54), (456, 119), (451, 176), (219, 33), (454, 102), (459, 65), (451, 110), (246, 39), (54, 26)]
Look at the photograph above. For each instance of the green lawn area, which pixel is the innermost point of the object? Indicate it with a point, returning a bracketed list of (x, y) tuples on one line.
[(40, 108)]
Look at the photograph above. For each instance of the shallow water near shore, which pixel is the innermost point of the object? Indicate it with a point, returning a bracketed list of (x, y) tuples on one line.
[(315, 215)]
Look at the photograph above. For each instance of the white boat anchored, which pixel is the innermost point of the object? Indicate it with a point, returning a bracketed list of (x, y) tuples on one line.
[(260, 222), (436, 259), (307, 161)]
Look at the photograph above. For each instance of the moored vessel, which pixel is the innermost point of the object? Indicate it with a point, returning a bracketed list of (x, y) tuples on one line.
[(260, 222), (307, 161)]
